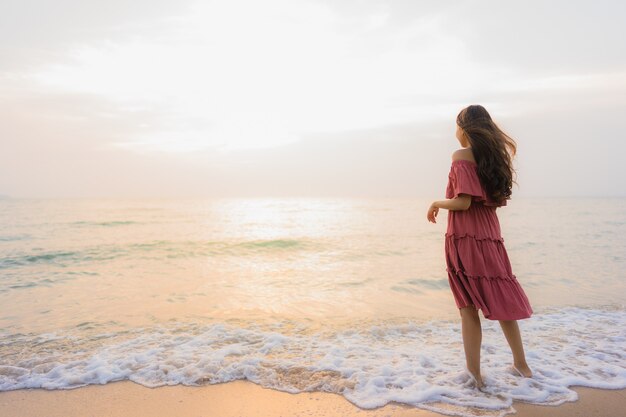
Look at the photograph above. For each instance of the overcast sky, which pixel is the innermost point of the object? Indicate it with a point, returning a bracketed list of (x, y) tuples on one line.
[(155, 98)]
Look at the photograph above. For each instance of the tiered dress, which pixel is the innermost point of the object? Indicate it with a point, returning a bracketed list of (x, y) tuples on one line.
[(479, 270)]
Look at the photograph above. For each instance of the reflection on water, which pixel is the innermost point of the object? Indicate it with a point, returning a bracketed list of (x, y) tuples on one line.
[(135, 262)]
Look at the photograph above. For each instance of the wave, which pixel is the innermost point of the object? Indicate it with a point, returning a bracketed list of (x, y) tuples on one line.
[(416, 363), (49, 257), (159, 249), (106, 223), (13, 238)]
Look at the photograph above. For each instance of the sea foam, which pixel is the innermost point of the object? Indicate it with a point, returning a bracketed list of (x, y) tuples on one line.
[(416, 363)]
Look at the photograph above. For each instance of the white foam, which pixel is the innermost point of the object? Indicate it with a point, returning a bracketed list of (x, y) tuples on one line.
[(422, 364)]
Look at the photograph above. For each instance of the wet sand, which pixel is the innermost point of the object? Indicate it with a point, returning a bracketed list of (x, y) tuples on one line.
[(246, 399)]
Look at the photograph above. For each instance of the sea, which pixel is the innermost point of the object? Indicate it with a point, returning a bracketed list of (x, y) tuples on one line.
[(341, 295)]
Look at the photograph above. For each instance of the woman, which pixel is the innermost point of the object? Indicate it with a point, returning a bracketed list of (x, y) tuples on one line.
[(479, 270)]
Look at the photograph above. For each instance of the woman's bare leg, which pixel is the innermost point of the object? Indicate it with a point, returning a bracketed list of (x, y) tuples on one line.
[(512, 334), (472, 339)]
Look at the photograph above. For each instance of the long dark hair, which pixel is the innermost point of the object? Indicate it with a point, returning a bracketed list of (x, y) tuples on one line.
[(493, 150)]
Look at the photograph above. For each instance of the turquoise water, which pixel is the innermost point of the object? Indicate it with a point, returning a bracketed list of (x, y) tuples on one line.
[(343, 295)]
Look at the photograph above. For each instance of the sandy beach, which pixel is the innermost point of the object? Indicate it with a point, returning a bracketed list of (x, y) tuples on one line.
[(246, 399)]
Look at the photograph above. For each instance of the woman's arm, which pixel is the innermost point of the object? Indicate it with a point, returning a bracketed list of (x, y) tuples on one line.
[(461, 202)]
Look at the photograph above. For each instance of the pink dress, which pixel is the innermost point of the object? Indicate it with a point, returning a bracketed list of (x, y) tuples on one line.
[(479, 271)]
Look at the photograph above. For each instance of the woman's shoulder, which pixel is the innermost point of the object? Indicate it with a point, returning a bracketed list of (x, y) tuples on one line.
[(464, 154)]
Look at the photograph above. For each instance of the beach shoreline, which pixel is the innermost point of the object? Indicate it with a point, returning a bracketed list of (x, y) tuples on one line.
[(243, 398)]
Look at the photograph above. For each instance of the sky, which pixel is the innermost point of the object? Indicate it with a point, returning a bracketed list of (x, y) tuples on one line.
[(305, 98)]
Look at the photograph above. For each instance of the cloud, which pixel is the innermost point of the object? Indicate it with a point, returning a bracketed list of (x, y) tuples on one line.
[(540, 38), (63, 145), (35, 32), (291, 97)]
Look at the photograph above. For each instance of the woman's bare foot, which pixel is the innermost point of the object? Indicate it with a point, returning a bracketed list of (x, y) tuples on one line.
[(523, 370), (478, 380)]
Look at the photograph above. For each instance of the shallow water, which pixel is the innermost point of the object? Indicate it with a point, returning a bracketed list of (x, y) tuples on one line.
[(341, 295)]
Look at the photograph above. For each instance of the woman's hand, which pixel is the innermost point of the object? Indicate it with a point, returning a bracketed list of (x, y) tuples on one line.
[(433, 210)]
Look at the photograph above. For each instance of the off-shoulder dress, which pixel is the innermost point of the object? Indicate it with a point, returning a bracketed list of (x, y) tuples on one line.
[(478, 266)]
